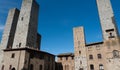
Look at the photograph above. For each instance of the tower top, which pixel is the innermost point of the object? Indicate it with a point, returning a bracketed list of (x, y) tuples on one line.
[(107, 19)]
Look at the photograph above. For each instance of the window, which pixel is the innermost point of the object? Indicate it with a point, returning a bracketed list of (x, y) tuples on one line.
[(49, 58), (80, 62), (22, 18), (98, 47), (115, 53), (13, 68), (78, 42), (10, 67), (19, 44), (90, 56), (13, 55), (79, 52), (66, 58), (99, 56), (31, 67), (111, 35), (91, 67), (101, 67), (60, 58), (2, 67), (81, 69), (72, 58), (40, 68)]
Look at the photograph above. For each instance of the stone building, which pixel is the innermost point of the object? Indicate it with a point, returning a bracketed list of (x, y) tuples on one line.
[(103, 55), (65, 61), (20, 45)]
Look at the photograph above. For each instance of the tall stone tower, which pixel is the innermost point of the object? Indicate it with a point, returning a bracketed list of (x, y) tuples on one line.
[(79, 49), (107, 19), (110, 35), (9, 31), (26, 32)]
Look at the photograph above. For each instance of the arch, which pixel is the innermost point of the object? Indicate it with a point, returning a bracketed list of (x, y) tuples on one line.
[(13, 68)]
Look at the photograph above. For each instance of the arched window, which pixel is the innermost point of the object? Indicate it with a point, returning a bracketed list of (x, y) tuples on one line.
[(31, 67), (90, 56), (91, 67), (101, 67)]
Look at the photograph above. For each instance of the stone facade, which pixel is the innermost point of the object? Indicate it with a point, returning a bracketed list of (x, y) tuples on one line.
[(65, 61), (9, 31), (28, 59), (79, 49), (20, 45), (102, 55), (107, 19), (26, 32)]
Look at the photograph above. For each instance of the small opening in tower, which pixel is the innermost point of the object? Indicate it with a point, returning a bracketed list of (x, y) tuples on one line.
[(13, 55), (79, 52), (22, 18), (111, 35), (19, 44)]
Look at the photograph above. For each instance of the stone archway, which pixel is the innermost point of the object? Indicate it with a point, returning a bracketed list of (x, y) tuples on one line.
[(13, 68)]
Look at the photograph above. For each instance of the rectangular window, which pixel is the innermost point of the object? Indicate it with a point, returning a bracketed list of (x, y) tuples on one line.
[(60, 58), (66, 58), (13, 55), (2, 67), (99, 56), (10, 67), (91, 67), (72, 58), (40, 68), (90, 56), (101, 67), (22, 18)]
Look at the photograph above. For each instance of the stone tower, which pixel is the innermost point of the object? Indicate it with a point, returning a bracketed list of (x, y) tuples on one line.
[(110, 35), (107, 19), (9, 31), (79, 49), (26, 32)]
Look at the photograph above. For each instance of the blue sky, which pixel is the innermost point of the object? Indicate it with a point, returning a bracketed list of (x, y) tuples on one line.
[(57, 19)]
